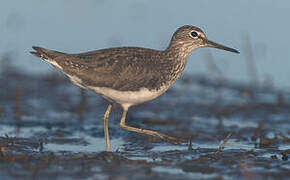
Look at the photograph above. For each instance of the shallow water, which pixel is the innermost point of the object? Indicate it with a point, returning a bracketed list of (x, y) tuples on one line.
[(50, 129)]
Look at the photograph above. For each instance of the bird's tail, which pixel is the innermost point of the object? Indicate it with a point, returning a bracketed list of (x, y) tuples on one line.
[(45, 54)]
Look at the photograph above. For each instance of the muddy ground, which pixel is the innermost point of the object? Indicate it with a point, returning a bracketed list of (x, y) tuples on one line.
[(51, 129)]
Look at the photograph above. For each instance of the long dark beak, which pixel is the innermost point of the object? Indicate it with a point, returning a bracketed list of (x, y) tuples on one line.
[(219, 46)]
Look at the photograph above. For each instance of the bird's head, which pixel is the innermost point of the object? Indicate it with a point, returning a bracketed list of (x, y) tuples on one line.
[(187, 38)]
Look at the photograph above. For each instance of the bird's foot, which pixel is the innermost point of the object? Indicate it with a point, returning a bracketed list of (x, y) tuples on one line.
[(170, 139)]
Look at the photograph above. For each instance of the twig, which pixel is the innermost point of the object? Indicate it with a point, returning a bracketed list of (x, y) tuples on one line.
[(224, 143), (190, 144)]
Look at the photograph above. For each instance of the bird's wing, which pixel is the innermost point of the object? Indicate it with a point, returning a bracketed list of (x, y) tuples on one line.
[(124, 69)]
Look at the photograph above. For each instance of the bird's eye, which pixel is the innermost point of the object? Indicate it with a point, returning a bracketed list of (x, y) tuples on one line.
[(194, 34)]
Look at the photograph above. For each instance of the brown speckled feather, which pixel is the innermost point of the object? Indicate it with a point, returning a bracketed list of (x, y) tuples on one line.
[(131, 68), (123, 68)]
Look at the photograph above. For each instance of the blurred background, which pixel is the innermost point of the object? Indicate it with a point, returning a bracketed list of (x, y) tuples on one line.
[(233, 109), (259, 29)]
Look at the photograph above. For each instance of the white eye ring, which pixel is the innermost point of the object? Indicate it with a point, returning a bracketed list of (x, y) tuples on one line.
[(194, 34)]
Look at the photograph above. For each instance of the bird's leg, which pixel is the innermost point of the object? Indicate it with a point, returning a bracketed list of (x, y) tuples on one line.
[(148, 132), (106, 130)]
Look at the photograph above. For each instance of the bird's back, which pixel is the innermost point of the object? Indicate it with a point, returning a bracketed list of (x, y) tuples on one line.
[(122, 69)]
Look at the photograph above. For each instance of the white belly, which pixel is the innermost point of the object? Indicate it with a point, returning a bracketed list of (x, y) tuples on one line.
[(125, 98), (128, 98)]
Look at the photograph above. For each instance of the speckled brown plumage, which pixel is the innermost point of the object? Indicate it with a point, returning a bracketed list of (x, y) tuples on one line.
[(129, 68), (123, 69)]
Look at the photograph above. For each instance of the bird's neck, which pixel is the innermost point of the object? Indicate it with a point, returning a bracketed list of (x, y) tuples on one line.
[(176, 60), (178, 51), (176, 56)]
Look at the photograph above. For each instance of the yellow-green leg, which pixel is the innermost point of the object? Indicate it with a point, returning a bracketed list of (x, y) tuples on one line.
[(106, 130), (148, 132)]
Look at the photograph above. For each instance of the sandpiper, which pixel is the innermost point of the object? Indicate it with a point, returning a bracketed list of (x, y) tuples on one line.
[(130, 75)]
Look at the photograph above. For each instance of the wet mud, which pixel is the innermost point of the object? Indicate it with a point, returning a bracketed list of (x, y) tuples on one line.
[(51, 129)]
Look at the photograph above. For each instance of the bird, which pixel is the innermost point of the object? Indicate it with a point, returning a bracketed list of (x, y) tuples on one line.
[(130, 75)]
